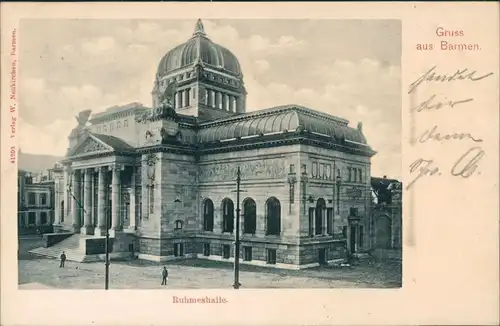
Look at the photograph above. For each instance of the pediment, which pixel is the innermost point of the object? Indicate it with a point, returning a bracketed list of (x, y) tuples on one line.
[(90, 145)]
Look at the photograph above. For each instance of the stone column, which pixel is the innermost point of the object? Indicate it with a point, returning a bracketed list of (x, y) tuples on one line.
[(178, 102), (66, 196), (87, 203), (133, 222), (231, 103), (100, 229), (75, 200), (224, 101), (115, 198), (325, 221)]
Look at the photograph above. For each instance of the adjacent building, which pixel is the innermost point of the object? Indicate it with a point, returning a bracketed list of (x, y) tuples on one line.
[(35, 195), (163, 179), (387, 213)]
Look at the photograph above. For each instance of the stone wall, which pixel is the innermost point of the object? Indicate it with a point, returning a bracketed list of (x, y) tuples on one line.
[(50, 239), (309, 254), (321, 166), (264, 174)]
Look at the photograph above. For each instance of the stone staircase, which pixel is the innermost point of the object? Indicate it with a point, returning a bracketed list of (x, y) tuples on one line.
[(70, 246)]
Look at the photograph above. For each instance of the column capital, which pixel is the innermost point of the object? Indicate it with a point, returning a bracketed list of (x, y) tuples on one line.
[(100, 169), (116, 167)]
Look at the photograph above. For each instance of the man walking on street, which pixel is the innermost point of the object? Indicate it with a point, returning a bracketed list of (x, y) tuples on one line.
[(63, 259), (164, 274)]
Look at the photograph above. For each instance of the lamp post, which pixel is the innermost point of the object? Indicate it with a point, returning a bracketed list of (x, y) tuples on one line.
[(237, 283), (106, 250), (338, 180)]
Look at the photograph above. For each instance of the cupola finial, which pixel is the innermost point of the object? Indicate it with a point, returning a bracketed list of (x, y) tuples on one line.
[(199, 29)]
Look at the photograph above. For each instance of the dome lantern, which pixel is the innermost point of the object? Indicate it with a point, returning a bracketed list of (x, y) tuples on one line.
[(199, 30)]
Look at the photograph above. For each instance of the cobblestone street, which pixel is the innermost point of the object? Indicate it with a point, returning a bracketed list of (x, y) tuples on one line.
[(35, 272)]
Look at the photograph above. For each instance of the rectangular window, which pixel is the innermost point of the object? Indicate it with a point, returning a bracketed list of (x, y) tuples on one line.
[(118, 124), (311, 221), (31, 198), (329, 220), (125, 123), (304, 168), (328, 171), (247, 253), (353, 211), (43, 199), (292, 168), (206, 249), (31, 218), (292, 193), (178, 249), (105, 127), (271, 256), (43, 217), (315, 169), (111, 126), (226, 251), (349, 176), (360, 175)]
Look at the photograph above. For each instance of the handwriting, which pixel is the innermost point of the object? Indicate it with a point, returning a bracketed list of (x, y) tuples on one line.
[(424, 167), (431, 76), (431, 134), (467, 164), (429, 105)]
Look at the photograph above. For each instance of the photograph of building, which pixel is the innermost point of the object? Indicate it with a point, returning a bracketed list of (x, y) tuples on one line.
[(182, 177)]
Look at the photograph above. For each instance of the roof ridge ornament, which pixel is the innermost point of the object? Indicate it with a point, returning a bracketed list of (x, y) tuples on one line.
[(199, 29)]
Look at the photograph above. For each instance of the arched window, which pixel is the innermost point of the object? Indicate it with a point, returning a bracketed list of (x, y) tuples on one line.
[(178, 225), (273, 216), (208, 215), (249, 216), (227, 215), (320, 215)]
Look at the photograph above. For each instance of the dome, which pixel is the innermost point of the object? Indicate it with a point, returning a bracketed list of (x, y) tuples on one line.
[(199, 49)]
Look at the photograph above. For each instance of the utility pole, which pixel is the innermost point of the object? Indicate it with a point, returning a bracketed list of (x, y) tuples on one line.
[(237, 283)]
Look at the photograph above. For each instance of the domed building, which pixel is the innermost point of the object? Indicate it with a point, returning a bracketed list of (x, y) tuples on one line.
[(162, 180)]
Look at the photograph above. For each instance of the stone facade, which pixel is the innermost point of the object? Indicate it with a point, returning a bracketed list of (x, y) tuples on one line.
[(166, 175), (36, 201)]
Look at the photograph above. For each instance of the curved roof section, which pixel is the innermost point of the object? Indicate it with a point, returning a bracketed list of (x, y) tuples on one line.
[(199, 49), (277, 120)]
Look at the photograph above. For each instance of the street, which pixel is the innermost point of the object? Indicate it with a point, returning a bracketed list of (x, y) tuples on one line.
[(197, 274)]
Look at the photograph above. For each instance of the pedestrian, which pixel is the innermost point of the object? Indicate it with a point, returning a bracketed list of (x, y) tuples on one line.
[(164, 274), (63, 259)]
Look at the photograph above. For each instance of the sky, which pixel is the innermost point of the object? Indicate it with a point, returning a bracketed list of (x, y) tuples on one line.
[(346, 68)]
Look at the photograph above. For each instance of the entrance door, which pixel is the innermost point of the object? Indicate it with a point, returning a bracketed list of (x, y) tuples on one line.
[(353, 239), (322, 256)]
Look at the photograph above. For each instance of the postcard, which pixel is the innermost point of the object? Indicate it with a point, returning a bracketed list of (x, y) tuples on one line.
[(245, 163)]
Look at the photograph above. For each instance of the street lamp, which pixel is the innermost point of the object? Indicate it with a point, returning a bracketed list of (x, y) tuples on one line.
[(237, 283), (338, 182)]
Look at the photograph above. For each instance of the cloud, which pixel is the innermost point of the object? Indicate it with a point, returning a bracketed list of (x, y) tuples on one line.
[(88, 70)]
